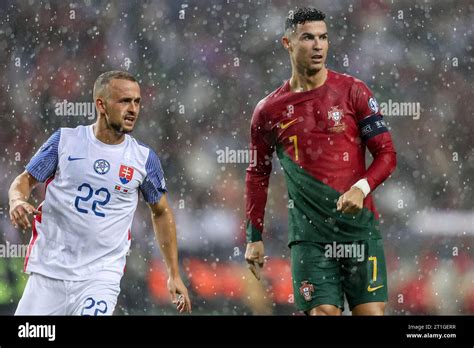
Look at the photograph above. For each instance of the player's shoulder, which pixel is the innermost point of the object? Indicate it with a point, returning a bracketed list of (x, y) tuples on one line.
[(269, 100), (144, 150), (79, 131), (342, 80), (62, 134)]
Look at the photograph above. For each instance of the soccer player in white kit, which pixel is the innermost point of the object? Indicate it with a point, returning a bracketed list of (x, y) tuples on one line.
[(81, 231)]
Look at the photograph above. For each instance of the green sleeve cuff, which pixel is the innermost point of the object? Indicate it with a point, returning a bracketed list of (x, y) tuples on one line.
[(253, 235)]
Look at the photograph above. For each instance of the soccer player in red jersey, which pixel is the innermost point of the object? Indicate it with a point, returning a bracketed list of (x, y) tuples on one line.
[(320, 123)]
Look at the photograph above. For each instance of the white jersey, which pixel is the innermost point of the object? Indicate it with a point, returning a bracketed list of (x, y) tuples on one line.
[(90, 199)]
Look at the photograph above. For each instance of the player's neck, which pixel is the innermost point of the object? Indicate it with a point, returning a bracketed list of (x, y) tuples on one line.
[(303, 82), (106, 134)]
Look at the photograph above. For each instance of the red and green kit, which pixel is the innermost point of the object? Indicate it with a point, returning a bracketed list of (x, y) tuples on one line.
[(320, 137)]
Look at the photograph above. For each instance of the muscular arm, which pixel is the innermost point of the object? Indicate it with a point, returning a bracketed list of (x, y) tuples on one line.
[(258, 176), (18, 195), (375, 134), (378, 140), (256, 190), (382, 149), (165, 231), (385, 159)]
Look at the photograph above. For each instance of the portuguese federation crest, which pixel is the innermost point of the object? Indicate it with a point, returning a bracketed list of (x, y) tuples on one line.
[(306, 290), (336, 114)]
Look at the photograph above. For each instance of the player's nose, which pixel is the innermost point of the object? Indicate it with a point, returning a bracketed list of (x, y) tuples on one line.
[(317, 45), (132, 109)]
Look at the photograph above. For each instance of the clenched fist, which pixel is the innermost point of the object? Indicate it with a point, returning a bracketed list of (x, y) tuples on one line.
[(254, 255), (351, 202)]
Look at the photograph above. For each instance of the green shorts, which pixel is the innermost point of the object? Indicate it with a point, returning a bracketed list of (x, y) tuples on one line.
[(324, 272)]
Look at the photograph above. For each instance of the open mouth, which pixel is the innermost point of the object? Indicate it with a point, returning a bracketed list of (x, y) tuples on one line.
[(129, 120), (317, 57)]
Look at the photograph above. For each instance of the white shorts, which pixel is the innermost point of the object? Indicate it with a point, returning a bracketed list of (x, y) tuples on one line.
[(48, 296)]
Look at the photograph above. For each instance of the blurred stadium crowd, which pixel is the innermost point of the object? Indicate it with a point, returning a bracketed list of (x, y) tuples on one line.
[(203, 66)]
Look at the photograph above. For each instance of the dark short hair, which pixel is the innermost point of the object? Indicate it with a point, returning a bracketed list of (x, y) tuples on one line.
[(104, 79), (300, 15)]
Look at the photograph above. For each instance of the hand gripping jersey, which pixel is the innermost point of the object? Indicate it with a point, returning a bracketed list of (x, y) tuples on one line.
[(91, 196), (320, 137)]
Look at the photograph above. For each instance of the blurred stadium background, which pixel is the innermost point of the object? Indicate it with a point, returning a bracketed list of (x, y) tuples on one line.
[(203, 66)]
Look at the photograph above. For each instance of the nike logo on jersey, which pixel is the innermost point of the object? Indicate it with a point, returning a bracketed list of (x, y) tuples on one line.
[(74, 158), (286, 125), (370, 289)]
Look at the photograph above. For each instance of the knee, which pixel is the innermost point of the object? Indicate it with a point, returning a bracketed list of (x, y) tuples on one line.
[(369, 309), (324, 310), (373, 311), (376, 310)]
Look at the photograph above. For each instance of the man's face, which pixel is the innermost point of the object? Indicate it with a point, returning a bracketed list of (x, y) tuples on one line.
[(121, 104), (308, 46)]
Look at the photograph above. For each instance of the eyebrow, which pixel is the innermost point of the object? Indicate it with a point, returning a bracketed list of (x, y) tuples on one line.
[(129, 98), (310, 34)]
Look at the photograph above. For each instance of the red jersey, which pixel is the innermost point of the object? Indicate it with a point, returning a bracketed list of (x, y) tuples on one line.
[(320, 137)]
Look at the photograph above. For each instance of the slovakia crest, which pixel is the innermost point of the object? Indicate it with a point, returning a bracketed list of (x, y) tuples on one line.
[(125, 174), (306, 290), (336, 114)]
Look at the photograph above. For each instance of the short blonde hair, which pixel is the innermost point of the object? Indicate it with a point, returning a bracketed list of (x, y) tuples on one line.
[(104, 79)]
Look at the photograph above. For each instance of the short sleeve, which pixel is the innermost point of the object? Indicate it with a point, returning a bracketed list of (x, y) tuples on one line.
[(44, 163), (154, 184)]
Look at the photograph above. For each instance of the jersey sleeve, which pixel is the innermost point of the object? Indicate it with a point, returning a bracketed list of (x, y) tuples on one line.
[(258, 175), (44, 163), (374, 133), (154, 184)]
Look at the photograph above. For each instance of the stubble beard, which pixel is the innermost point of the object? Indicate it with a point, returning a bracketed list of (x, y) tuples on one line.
[(118, 128)]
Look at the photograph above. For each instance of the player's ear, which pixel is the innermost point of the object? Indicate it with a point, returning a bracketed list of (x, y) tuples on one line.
[(285, 41), (99, 104)]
